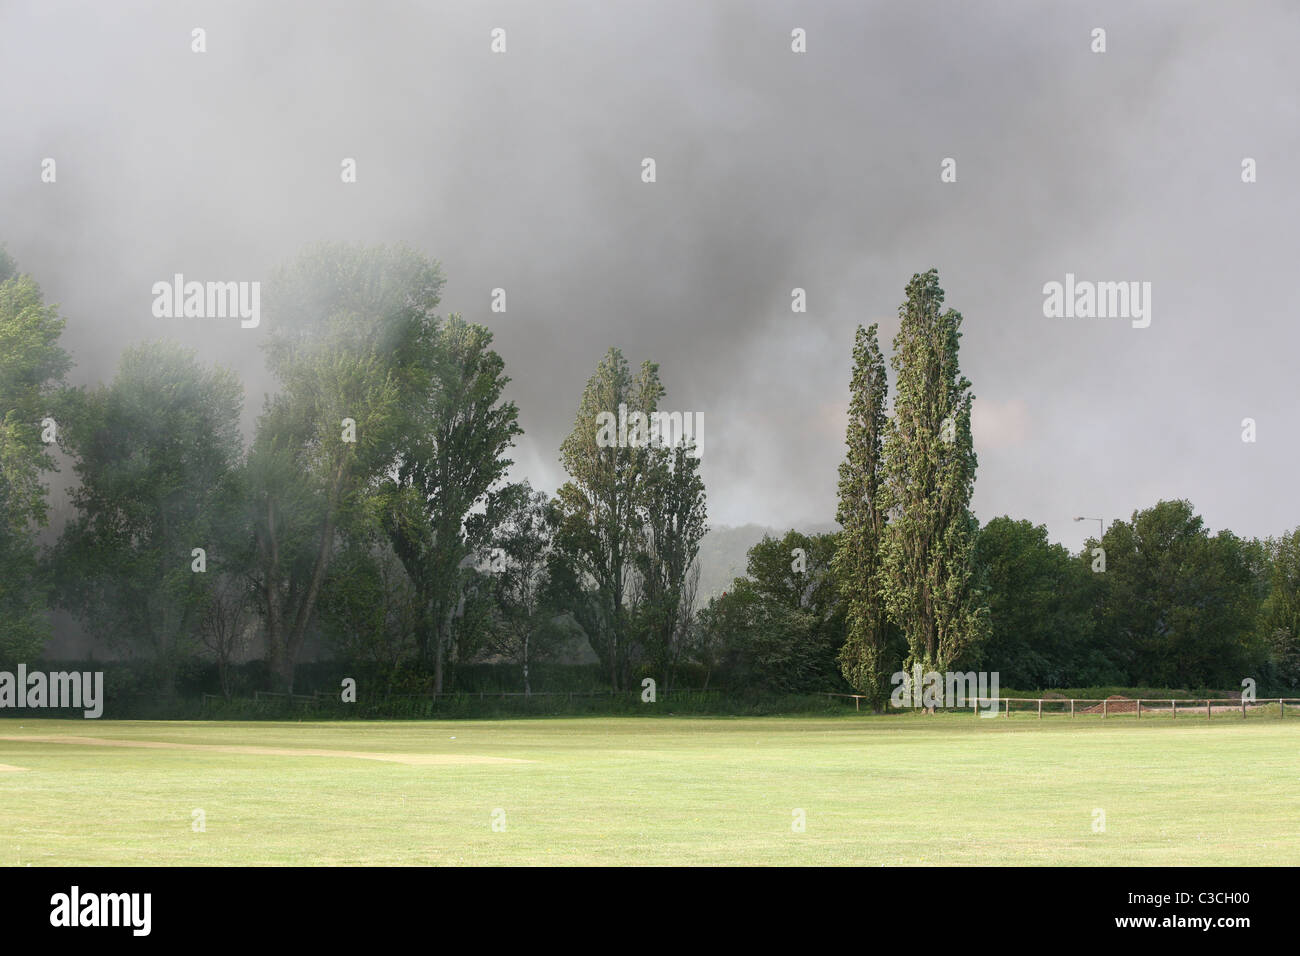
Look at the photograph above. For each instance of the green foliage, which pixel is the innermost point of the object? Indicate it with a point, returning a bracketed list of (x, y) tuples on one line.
[(369, 609), (929, 465), (600, 515), (795, 571), (771, 647), (377, 486), (779, 629), (444, 498), (526, 628), (31, 367), (1279, 620), (1039, 599), (865, 658), (350, 327), (628, 528), (1177, 606), (155, 453), (673, 513)]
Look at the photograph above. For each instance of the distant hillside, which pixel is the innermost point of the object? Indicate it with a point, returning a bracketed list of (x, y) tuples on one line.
[(724, 553)]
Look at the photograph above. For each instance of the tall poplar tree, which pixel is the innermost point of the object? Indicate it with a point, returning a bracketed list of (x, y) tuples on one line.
[(601, 517), (862, 514), (929, 466)]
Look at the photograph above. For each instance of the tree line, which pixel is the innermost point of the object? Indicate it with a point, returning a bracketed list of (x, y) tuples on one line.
[(372, 509)]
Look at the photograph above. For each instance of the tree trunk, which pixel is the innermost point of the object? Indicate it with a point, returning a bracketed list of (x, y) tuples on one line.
[(441, 644), (527, 690), (275, 638), (284, 673), (437, 664)]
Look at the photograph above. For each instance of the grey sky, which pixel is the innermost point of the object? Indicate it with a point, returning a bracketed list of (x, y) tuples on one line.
[(775, 170)]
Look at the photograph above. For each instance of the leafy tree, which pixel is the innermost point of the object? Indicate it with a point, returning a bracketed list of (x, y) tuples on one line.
[(347, 326), (600, 510), (1039, 601), (525, 629), (1178, 607), (929, 478), (32, 366), (780, 628), (369, 611), (704, 638), (475, 620), (225, 625), (769, 646), (673, 524), (862, 514), (1280, 614), (795, 571), (155, 453), (445, 495)]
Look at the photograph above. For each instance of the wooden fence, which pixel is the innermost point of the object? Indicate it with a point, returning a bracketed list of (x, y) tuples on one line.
[(318, 697), (1109, 706)]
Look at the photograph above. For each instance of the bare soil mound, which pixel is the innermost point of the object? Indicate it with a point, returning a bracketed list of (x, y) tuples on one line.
[(1115, 704)]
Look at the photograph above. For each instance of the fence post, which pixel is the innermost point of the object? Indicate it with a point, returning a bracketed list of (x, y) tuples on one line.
[(1040, 708), (1104, 707), (975, 707), (1071, 708), (857, 703), (1281, 708), (1008, 707), (1207, 709), (1175, 708), (1139, 717), (1243, 708)]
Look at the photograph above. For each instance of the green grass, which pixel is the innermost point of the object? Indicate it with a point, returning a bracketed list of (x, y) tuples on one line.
[(913, 789)]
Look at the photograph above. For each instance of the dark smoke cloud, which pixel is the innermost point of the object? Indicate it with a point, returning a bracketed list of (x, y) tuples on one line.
[(775, 170)]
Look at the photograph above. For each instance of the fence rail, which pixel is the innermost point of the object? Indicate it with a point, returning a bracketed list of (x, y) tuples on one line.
[(1077, 706), (319, 697), (1124, 705)]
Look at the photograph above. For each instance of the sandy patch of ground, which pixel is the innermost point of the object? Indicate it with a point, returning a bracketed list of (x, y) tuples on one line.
[(419, 760), (6, 768), (1125, 705)]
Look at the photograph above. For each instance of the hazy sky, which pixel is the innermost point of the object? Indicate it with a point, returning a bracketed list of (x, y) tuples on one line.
[(775, 170)]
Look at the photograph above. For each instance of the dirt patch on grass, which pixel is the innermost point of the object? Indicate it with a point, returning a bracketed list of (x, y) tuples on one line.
[(6, 768), (419, 760), (1115, 704)]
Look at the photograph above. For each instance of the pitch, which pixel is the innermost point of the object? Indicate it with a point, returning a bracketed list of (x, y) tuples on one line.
[(895, 790)]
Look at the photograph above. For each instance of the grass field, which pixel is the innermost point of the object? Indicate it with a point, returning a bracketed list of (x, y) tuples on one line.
[(915, 789)]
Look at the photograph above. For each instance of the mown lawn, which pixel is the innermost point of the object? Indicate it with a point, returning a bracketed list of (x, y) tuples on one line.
[(914, 789)]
